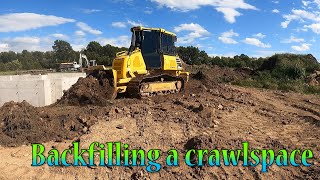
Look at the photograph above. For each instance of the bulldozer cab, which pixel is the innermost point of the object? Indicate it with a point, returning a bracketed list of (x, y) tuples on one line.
[(154, 44)]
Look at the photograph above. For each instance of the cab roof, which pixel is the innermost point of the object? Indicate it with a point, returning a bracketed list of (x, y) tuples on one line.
[(140, 28)]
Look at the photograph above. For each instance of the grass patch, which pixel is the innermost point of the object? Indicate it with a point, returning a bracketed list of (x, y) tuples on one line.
[(3, 73), (298, 85)]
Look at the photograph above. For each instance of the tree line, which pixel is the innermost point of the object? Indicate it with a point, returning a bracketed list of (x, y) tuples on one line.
[(294, 66), (62, 51)]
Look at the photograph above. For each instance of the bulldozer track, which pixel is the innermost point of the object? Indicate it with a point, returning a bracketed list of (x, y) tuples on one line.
[(134, 86)]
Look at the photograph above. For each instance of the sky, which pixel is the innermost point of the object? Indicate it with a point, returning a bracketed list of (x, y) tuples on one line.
[(220, 27)]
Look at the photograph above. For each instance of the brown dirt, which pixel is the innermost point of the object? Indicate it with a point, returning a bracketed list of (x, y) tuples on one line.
[(88, 91), (207, 114), (218, 74), (25, 124)]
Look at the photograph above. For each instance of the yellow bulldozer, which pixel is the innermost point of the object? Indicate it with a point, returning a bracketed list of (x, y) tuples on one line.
[(150, 67)]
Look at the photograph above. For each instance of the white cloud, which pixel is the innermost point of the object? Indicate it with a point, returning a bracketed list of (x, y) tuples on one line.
[(80, 33), (27, 40), (78, 47), (259, 35), (30, 43), (210, 47), (133, 23), (25, 21), (199, 46), (256, 42), (121, 41), (60, 36), (4, 47), (227, 37), (301, 16), (119, 24), (191, 27), (34, 43), (317, 2), (275, 11), (227, 7), (266, 53), (285, 24), (292, 39), (314, 27), (229, 14), (195, 31), (306, 3), (86, 28), (308, 18), (301, 29), (148, 11), (275, 2), (187, 5), (230, 54), (90, 11), (302, 47)]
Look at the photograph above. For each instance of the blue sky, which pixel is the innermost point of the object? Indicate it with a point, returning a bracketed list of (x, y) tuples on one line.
[(220, 27)]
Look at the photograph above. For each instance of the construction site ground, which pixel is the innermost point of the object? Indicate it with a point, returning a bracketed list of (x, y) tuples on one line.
[(208, 113)]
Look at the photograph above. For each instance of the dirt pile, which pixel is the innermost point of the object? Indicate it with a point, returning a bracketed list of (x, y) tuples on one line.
[(314, 79), (218, 74), (22, 123), (206, 115), (199, 76), (198, 143), (88, 91)]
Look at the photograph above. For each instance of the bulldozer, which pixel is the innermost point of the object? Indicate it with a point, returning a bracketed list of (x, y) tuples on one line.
[(150, 67)]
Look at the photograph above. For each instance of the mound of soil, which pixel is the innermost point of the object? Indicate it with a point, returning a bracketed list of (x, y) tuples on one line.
[(206, 115), (88, 91), (216, 74), (21, 123), (199, 76), (199, 142)]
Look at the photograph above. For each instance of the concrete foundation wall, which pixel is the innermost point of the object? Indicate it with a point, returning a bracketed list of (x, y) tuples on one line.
[(38, 90)]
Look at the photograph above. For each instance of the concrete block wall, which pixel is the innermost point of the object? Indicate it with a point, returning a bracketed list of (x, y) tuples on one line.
[(38, 90)]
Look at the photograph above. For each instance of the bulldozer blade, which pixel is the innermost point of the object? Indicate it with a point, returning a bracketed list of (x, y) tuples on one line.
[(110, 75)]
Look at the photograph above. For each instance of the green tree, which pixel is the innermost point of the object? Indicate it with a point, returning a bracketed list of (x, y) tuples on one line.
[(192, 55), (94, 50), (27, 60), (94, 46), (241, 61), (6, 57), (63, 51), (103, 54), (14, 65)]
